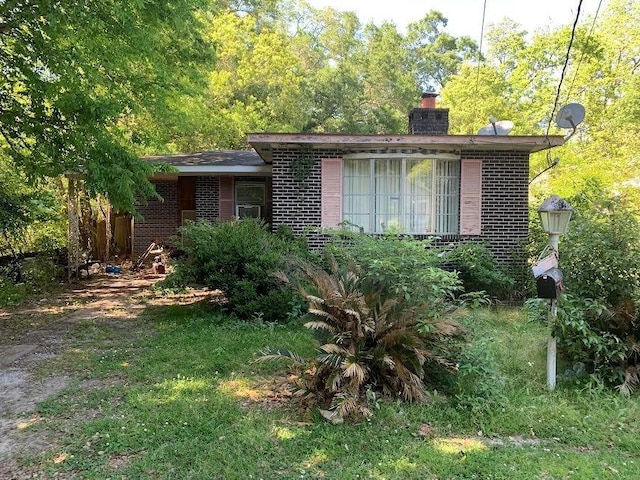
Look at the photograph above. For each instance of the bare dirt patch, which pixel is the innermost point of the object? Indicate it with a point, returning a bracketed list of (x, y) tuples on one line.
[(45, 329)]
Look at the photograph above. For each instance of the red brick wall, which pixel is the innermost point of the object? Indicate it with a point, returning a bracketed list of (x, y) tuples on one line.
[(160, 218)]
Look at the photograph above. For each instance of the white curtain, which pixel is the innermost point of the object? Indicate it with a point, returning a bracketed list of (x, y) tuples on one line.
[(356, 190), (387, 175), (447, 196), (418, 212), (411, 195)]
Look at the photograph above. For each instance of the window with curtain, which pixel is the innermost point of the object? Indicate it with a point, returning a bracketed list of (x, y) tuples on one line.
[(417, 195)]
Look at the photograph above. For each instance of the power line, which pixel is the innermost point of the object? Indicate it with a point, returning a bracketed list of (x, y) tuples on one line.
[(553, 163), (564, 70), (575, 74)]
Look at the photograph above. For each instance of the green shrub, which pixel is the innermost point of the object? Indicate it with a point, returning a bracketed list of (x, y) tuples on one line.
[(478, 270), (597, 343), (10, 293), (373, 343), (37, 275), (401, 267), (598, 325), (239, 258), (600, 258), (600, 254)]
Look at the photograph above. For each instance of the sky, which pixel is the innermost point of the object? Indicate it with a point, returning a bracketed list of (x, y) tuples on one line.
[(465, 16)]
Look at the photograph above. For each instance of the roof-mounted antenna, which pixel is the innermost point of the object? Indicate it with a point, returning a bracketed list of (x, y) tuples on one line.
[(570, 116)]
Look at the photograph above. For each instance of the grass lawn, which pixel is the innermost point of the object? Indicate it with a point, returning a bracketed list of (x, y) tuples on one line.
[(186, 401)]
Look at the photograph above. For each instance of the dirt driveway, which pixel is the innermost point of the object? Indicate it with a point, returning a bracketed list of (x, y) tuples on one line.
[(37, 333)]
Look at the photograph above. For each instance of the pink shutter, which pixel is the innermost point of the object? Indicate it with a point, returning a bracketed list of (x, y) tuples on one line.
[(226, 200), (331, 191), (470, 197)]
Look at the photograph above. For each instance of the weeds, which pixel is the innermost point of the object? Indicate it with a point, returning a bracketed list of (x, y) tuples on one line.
[(190, 404)]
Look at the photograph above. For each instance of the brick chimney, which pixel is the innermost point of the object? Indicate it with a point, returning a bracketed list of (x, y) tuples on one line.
[(429, 120)]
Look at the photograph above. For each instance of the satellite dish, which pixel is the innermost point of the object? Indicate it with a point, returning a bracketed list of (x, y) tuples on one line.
[(503, 127), (570, 116)]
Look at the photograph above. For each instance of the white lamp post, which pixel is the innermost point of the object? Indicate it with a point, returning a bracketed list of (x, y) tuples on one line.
[(555, 214)]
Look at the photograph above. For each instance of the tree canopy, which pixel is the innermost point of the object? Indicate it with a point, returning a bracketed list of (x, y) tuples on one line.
[(90, 86), (519, 78), (76, 77)]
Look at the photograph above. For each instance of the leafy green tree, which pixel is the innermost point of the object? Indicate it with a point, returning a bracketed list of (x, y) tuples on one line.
[(473, 96), (435, 54), (259, 81), (330, 44), (606, 146), (518, 80), (71, 73), (285, 66)]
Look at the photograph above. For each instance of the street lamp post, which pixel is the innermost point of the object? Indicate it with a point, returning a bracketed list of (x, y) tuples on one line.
[(555, 214)]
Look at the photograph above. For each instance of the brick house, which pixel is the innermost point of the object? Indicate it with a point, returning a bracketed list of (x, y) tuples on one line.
[(218, 185), (427, 183)]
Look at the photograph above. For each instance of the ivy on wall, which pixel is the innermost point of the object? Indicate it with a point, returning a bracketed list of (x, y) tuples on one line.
[(302, 166)]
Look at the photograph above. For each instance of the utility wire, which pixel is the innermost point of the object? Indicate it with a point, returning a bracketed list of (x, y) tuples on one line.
[(553, 163), (564, 68), (475, 109), (575, 75)]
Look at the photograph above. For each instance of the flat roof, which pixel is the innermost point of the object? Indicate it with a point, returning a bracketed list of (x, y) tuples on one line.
[(265, 143)]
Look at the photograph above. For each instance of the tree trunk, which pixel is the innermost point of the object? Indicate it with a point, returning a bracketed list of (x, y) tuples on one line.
[(74, 228)]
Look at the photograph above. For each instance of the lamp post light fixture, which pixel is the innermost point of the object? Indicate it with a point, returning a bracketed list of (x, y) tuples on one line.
[(555, 214)]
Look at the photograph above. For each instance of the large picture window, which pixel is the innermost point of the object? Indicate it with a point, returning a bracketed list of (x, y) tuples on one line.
[(409, 194)]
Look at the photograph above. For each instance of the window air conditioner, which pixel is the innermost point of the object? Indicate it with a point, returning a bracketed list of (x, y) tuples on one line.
[(253, 211)]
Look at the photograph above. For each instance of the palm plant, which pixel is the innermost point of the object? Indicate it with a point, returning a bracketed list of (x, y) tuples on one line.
[(370, 341)]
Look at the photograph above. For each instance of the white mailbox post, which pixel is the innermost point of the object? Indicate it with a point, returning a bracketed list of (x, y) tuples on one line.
[(555, 214)]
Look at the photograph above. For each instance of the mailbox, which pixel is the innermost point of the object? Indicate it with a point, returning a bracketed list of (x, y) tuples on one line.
[(549, 283)]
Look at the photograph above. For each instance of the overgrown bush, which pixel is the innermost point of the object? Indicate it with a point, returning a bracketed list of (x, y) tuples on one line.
[(401, 267), (600, 252), (376, 340), (597, 343), (598, 324), (478, 270), (239, 258)]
